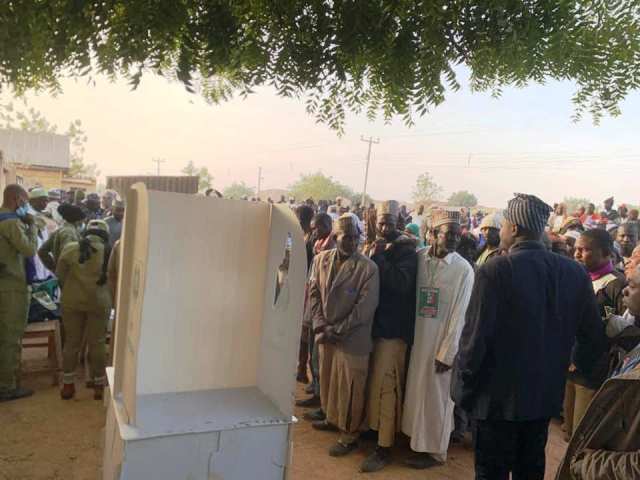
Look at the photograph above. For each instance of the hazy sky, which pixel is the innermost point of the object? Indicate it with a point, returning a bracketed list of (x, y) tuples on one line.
[(523, 142)]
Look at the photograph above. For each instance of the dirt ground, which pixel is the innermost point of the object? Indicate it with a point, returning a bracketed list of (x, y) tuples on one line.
[(45, 438)]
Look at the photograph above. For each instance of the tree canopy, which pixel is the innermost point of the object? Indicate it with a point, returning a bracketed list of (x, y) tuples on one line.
[(319, 187), (397, 57), (463, 199), (426, 189), (238, 190)]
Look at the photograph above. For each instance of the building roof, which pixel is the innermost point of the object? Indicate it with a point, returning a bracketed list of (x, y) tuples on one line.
[(37, 149)]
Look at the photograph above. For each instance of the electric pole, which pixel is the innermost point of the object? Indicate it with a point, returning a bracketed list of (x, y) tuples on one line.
[(370, 141), (259, 182), (158, 161)]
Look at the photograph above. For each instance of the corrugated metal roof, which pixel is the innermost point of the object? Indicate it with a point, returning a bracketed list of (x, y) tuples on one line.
[(179, 184), (41, 149)]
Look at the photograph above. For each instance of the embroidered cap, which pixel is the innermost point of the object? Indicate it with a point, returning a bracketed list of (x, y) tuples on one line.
[(444, 217), (390, 207), (493, 220), (528, 211)]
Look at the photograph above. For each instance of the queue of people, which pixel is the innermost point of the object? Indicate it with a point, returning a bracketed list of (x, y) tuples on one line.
[(59, 245), (491, 327)]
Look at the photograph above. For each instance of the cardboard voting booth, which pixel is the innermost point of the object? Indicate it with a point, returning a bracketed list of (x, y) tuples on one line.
[(208, 324)]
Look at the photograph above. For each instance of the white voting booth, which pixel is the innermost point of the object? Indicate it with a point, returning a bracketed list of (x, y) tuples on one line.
[(206, 340)]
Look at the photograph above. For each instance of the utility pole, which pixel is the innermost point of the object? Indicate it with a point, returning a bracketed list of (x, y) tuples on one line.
[(370, 141), (259, 182), (158, 161)]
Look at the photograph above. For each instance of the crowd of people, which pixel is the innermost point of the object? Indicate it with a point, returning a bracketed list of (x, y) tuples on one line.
[(434, 323), (438, 322), (55, 254)]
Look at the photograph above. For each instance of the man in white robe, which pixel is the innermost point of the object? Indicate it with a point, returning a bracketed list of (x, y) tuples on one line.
[(443, 289)]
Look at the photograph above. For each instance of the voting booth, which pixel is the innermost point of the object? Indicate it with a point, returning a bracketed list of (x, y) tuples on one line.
[(209, 311)]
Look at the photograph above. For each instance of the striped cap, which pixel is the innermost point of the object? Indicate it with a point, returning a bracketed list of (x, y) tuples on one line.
[(528, 211)]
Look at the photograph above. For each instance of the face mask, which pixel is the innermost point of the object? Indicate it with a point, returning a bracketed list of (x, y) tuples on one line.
[(22, 210)]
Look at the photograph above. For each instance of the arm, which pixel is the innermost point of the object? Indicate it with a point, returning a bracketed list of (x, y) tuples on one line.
[(477, 337), (45, 253), (449, 346), (365, 306), (63, 267), (24, 238), (591, 339), (112, 269), (398, 276), (315, 298), (598, 464)]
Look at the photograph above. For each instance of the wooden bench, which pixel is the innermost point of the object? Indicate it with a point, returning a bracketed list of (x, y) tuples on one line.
[(46, 334)]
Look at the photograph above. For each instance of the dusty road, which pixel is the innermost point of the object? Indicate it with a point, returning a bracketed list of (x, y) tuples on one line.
[(44, 438)]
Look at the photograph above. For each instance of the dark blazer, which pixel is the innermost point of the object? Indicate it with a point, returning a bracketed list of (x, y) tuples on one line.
[(396, 313), (526, 312)]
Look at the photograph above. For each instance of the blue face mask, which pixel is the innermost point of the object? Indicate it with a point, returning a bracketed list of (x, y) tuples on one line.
[(22, 210)]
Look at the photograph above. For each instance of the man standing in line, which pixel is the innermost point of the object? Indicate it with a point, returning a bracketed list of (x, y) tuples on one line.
[(490, 229), (343, 296), (38, 199), (525, 311), (18, 240), (609, 211), (393, 328), (444, 284), (114, 222)]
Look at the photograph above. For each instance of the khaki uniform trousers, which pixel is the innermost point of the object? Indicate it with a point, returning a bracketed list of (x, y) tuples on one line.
[(75, 324), (342, 389), (385, 391), (576, 400), (14, 309)]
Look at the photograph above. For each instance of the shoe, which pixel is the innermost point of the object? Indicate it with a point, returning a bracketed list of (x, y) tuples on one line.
[(324, 426), (98, 392), (421, 461), (340, 449), (302, 377), (315, 415), (310, 389), (377, 460), (309, 402), (456, 438), (68, 391), (370, 436), (16, 394)]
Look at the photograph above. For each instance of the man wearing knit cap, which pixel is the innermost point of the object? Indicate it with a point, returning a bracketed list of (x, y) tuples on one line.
[(393, 326), (443, 287), (490, 229), (343, 296), (527, 310)]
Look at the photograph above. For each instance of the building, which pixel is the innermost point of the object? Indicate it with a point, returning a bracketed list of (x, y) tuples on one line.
[(7, 173), (41, 159)]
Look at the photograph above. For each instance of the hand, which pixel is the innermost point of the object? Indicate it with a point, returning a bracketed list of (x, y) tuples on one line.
[(28, 219), (442, 367), (572, 368), (379, 246), (576, 463)]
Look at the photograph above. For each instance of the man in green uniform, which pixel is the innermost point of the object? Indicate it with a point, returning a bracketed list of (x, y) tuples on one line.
[(18, 240), (86, 304)]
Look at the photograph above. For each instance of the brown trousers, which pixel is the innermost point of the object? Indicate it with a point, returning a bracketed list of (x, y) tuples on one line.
[(385, 390)]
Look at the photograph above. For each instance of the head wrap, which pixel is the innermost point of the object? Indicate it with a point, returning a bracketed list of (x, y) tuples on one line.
[(93, 196), (348, 222), (55, 194), (390, 207), (98, 225), (118, 204), (491, 221), (444, 217), (38, 192), (610, 199), (413, 229), (71, 213), (100, 229), (528, 211)]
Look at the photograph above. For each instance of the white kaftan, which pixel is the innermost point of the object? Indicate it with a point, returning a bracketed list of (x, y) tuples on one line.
[(428, 408)]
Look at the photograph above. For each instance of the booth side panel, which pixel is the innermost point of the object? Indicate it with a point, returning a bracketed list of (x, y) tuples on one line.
[(282, 316), (204, 294), (130, 295)]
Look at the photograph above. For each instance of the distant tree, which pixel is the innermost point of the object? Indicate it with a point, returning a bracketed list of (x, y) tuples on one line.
[(574, 203), (238, 190), (319, 187), (426, 189), (462, 199), (357, 198), (205, 178), (31, 120)]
